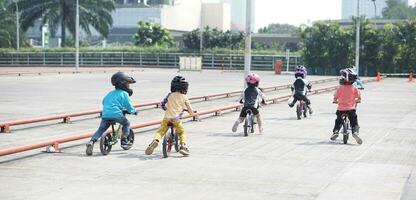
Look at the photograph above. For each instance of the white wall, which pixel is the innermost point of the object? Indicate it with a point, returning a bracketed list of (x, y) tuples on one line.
[(216, 15), (128, 17), (184, 16)]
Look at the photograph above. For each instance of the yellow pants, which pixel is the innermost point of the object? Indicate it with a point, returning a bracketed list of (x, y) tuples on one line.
[(177, 124)]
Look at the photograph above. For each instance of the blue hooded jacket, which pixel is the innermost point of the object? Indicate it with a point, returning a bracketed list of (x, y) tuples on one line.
[(115, 102)]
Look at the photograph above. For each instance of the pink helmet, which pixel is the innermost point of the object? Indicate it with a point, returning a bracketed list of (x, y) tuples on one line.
[(253, 79)]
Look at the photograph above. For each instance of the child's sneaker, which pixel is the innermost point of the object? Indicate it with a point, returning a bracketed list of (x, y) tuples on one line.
[(183, 150), (358, 139), (235, 126), (90, 146), (125, 143), (151, 147), (335, 135), (261, 130)]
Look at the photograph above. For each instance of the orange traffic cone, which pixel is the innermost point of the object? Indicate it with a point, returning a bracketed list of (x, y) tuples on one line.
[(411, 77), (378, 76)]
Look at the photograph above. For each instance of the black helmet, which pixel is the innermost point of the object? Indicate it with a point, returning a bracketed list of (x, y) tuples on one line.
[(179, 84), (348, 76), (121, 81)]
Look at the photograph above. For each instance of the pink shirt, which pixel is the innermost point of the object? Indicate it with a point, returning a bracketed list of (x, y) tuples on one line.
[(347, 95)]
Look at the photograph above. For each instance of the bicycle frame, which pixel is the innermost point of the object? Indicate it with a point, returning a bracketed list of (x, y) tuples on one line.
[(116, 134), (301, 109), (346, 127)]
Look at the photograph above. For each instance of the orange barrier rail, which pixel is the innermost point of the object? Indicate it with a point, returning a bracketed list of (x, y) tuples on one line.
[(55, 142), (5, 127)]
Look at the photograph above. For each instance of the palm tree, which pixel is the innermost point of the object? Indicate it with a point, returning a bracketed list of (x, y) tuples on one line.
[(7, 26), (61, 13)]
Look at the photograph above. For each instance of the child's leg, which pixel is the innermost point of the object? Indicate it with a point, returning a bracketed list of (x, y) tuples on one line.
[(125, 126), (180, 130), (295, 98), (101, 129), (240, 119), (259, 123), (338, 122), (162, 130), (182, 138), (159, 134), (352, 115), (337, 126)]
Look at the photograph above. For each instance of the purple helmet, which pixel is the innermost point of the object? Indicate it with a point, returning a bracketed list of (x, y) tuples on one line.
[(300, 71)]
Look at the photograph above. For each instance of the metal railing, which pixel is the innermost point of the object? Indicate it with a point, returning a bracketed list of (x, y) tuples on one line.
[(163, 60), (217, 111), (5, 127)]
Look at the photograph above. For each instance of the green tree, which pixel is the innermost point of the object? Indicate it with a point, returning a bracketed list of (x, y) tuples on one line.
[(285, 29), (326, 47), (152, 34), (398, 9), (371, 40), (280, 29), (213, 38), (61, 14), (8, 27), (406, 37), (389, 49)]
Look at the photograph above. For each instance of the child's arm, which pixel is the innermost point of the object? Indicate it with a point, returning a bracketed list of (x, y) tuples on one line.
[(308, 85), (263, 97), (358, 95), (336, 94), (164, 102), (129, 106), (189, 107)]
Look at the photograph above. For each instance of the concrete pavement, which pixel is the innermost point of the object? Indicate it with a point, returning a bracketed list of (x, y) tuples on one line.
[(293, 159)]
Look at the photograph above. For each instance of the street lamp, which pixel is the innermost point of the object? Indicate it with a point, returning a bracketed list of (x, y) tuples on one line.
[(357, 39), (17, 27), (201, 31), (247, 52), (77, 37), (375, 12)]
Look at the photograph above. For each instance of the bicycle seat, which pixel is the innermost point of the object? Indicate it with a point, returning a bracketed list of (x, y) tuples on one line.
[(249, 111), (112, 122), (170, 124)]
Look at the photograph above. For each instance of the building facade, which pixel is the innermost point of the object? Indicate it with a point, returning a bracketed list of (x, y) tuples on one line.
[(238, 14)]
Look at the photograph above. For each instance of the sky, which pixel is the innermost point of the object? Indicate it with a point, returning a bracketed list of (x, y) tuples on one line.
[(297, 12)]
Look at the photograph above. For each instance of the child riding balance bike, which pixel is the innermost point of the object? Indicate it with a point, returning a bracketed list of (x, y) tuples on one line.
[(177, 101), (115, 104), (300, 87), (347, 96), (250, 98)]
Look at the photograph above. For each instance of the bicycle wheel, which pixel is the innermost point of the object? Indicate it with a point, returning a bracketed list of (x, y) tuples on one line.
[(246, 127), (345, 132), (105, 143), (131, 140), (176, 143), (251, 124), (165, 147), (298, 111), (305, 111)]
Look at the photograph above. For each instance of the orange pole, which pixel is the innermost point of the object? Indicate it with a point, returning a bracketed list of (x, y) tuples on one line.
[(378, 76), (411, 76)]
